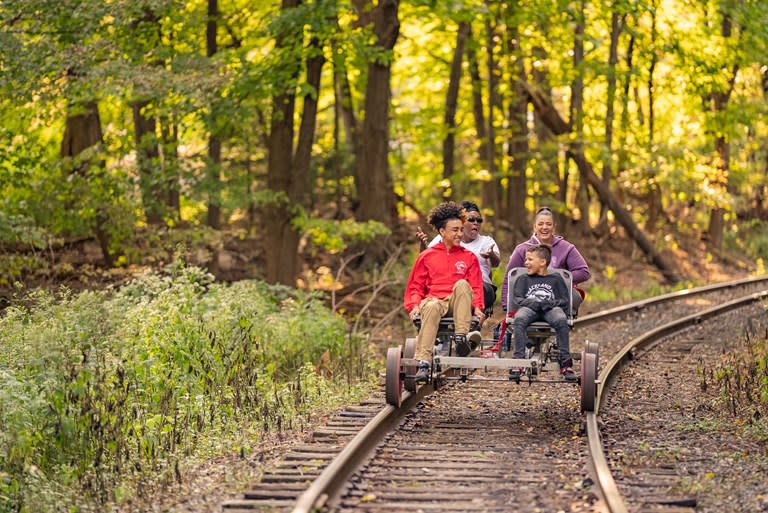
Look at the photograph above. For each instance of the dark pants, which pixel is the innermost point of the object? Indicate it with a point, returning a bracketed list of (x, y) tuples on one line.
[(556, 318), (576, 299), (489, 295)]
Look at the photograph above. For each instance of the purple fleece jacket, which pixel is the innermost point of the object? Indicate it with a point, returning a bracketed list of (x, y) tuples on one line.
[(564, 256)]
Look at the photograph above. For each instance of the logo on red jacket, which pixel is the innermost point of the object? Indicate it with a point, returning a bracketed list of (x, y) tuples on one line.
[(461, 267)]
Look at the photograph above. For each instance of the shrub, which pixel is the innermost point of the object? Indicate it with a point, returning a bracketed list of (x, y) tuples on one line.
[(102, 385)]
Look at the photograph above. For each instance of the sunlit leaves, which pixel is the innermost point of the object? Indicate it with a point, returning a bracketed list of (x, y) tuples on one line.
[(335, 236), (56, 53)]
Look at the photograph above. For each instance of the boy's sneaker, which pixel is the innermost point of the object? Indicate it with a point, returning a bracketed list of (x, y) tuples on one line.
[(462, 345), (568, 374), (422, 373), (475, 338), (515, 373)]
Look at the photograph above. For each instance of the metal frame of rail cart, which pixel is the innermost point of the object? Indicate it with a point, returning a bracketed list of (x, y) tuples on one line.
[(541, 356)]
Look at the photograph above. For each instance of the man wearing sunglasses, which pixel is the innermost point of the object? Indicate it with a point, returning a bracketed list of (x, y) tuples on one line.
[(483, 246)]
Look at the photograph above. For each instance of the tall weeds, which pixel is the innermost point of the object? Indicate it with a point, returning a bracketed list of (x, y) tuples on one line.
[(99, 386), (740, 380)]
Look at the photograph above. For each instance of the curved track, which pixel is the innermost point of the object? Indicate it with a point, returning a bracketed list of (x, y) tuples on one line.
[(604, 479), (489, 458)]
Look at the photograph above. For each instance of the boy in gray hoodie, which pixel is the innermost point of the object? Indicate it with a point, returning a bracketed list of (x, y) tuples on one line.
[(540, 296)]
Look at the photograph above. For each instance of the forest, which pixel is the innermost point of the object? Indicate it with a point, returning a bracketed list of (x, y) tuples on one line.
[(332, 122), (312, 136)]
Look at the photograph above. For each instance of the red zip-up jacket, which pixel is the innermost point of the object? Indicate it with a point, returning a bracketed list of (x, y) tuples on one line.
[(436, 271)]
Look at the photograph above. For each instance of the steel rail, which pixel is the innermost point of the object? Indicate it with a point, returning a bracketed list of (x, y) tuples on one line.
[(333, 478), (606, 485), (618, 311)]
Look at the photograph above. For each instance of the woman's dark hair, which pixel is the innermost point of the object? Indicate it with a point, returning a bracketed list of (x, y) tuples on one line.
[(542, 251), (470, 206), (543, 211), (442, 213)]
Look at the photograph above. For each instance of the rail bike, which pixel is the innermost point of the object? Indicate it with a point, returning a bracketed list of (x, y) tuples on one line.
[(485, 358)]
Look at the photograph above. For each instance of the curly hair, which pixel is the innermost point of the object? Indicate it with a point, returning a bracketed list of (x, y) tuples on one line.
[(443, 212)]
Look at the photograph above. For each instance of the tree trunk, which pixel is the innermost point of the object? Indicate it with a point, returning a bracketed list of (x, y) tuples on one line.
[(345, 112), (759, 196), (517, 148), (278, 214), (169, 159), (577, 111), (214, 182), (492, 188), (576, 107), (373, 181), (147, 157), (153, 179), (623, 144), (345, 105), (548, 146), (336, 160), (559, 127), (481, 127), (717, 213), (718, 102), (617, 25), (282, 263), (83, 131), (343, 95), (214, 142), (654, 204), (651, 69), (451, 99), (302, 158)]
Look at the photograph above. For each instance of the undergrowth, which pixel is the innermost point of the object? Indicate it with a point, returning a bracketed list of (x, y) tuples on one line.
[(101, 388), (740, 382), (612, 290)]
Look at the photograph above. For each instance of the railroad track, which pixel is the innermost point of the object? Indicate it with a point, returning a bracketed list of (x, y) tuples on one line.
[(489, 445)]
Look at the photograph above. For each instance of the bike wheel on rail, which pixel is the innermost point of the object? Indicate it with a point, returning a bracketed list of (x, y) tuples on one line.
[(594, 348), (588, 381), (394, 377), (409, 351), (435, 376)]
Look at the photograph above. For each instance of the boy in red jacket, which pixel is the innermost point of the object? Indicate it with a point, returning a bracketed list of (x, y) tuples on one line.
[(445, 279)]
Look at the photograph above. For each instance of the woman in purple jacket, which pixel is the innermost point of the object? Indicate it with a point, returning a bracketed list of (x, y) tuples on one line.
[(564, 255)]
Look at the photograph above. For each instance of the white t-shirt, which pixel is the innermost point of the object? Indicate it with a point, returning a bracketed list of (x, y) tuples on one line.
[(480, 244)]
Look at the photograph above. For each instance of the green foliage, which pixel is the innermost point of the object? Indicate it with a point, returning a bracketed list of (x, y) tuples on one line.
[(19, 229), (750, 237), (609, 289), (335, 236), (57, 53), (44, 196), (99, 386), (740, 380), (14, 266)]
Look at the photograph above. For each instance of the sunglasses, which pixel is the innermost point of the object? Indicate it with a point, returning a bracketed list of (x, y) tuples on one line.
[(478, 220)]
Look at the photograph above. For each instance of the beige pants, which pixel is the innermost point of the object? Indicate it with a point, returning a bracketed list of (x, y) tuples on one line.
[(458, 304)]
